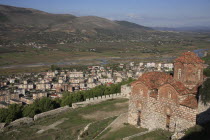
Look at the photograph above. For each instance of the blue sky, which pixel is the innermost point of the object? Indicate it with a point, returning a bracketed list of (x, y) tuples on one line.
[(168, 13)]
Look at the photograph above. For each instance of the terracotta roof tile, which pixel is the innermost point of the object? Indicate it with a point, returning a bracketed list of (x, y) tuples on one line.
[(189, 57), (179, 87), (155, 79), (190, 101)]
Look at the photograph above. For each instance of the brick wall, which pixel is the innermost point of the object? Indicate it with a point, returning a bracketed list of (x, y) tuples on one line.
[(154, 113)]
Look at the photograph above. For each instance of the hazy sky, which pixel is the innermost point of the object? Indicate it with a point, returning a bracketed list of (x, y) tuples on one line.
[(169, 13)]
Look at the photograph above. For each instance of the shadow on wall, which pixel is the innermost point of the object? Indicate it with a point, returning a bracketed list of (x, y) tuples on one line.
[(202, 130)]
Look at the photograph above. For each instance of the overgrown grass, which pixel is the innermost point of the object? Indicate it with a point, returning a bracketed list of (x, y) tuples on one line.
[(80, 52), (155, 135), (127, 130), (198, 132), (69, 129), (96, 128)]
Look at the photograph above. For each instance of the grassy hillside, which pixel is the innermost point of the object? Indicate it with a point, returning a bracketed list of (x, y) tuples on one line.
[(132, 25), (27, 23), (74, 121), (99, 115)]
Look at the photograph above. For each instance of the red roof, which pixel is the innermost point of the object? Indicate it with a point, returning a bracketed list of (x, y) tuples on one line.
[(190, 101), (179, 87), (155, 79), (189, 57), (53, 95)]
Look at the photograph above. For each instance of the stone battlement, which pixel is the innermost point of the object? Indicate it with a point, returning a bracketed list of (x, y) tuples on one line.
[(98, 99)]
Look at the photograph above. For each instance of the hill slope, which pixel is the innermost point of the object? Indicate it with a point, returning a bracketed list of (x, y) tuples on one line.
[(23, 24)]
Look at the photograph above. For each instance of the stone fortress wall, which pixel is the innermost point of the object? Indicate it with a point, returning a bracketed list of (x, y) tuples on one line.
[(52, 112), (125, 90), (97, 100), (125, 93)]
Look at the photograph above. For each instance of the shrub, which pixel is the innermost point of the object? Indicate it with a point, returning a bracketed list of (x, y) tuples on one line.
[(204, 91)]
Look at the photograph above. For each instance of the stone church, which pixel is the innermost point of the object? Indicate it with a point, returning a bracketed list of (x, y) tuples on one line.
[(160, 100)]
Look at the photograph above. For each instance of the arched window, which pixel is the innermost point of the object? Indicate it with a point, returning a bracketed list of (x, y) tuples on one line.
[(169, 94), (179, 73), (141, 92), (199, 74)]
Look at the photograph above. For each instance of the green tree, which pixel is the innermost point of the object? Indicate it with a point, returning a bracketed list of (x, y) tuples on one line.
[(54, 67), (3, 114), (14, 112), (206, 72), (41, 105), (69, 98), (204, 91), (30, 110), (44, 104)]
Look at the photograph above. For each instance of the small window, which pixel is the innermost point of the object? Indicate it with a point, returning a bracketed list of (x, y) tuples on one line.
[(169, 94), (141, 92), (199, 74), (179, 73)]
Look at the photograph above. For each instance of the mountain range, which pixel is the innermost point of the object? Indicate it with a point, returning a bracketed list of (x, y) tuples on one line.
[(25, 24), (201, 29)]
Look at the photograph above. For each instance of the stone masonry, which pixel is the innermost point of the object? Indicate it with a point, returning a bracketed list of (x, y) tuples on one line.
[(158, 100)]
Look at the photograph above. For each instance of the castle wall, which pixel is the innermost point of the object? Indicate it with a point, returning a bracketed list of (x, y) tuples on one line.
[(51, 112), (98, 99), (125, 89)]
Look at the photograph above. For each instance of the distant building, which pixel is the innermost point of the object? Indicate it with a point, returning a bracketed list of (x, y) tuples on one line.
[(3, 104), (39, 95)]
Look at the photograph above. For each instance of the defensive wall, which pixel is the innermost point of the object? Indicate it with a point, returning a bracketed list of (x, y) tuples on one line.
[(125, 90)]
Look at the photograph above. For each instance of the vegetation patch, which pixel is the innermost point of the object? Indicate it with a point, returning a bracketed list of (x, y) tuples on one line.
[(45, 104), (206, 72), (69, 129), (126, 131), (155, 135), (97, 127), (198, 132), (204, 91)]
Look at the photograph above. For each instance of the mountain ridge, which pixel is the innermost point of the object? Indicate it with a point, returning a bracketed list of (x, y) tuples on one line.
[(11, 13), (26, 21)]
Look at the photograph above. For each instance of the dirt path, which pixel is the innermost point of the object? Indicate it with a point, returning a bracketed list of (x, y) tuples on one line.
[(117, 124), (52, 126)]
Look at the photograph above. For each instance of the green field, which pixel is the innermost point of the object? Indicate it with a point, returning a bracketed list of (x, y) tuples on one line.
[(110, 52)]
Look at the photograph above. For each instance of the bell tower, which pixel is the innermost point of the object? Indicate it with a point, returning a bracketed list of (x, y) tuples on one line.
[(188, 69)]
